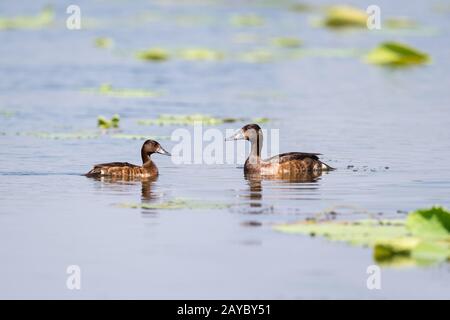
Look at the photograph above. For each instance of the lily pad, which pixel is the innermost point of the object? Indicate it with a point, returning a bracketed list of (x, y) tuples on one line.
[(423, 239), (104, 123), (104, 42), (175, 204), (345, 16), (399, 23), (108, 90), (192, 119), (174, 119), (287, 42), (138, 137), (6, 113), (247, 20), (396, 54), (154, 54), (61, 135), (201, 54), (43, 19), (257, 56)]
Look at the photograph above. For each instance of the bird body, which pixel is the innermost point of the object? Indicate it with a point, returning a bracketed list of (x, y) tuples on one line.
[(128, 170)]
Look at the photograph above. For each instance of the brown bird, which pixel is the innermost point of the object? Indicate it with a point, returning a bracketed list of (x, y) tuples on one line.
[(128, 170), (283, 165)]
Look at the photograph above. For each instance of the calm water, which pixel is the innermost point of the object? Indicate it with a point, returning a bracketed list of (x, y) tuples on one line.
[(355, 114)]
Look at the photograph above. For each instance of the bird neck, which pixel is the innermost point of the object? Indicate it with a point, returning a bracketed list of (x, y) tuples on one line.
[(256, 146), (145, 158)]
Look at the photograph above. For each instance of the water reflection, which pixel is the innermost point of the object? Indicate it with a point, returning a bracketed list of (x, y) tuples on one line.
[(289, 183), (126, 185)]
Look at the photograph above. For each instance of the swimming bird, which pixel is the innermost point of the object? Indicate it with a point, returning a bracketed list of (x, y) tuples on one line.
[(283, 165), (128, 170)]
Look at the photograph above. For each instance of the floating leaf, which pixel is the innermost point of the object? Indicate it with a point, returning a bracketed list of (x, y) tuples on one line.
[(301, 7), (399, 23), (191, 119), (247, 20), (103, 123), (257, 56), (6, 113), (287, 42), (138, 137), (396, 54), (43, 19), (345, 16), (201, 54), (154, 54), (429, 223), (422, 240), (108, 90), (175, 204), (61, 136), (103, 42)]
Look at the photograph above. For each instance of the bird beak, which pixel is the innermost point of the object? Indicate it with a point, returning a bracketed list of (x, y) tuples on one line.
[(239, 135), (162, 151)]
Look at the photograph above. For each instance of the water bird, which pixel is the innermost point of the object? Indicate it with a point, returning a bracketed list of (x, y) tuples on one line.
[(283, 165), (128, 170)]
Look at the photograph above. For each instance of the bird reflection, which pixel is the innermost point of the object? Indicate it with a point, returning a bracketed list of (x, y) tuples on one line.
[(255, 188), (124, 184)]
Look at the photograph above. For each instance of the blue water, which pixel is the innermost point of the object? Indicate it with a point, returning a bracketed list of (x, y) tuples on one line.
[(353, 113)]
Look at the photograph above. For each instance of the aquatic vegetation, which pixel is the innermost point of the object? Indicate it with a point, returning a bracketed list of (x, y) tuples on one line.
[(43, 19), (175, 119), (108, 90), (154, 54), (175, 204), (247, 20), (399, 23), (103, 42), (61, 135), (328, 52), (191, 119), (201, 54), (6, 113), (396, 54), (345, 16), (422, 239), (138, 137), (287, 42), (301, 7), (103, 123)]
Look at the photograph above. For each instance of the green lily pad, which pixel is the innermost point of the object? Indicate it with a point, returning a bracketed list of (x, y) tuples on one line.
[(423, 239), (175, 204), (396, 54), (345, 16), (138, 137), (43, 19), (257, 56), (108, 90), (103, 123), (60, 135), (192, 119), (399, 23), (6, 113), (174, 119), (247, 20), (154, 54), (431, 223), (287, 42), (201, 54), (104, 42)]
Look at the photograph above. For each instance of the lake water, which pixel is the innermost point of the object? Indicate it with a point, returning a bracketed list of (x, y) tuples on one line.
[(393, 126)]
